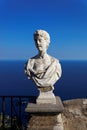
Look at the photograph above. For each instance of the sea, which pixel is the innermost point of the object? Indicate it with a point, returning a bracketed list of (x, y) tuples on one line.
[(14, 82), (71, 85)]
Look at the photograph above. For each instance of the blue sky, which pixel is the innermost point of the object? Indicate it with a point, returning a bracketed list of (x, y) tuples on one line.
[(65, 20)]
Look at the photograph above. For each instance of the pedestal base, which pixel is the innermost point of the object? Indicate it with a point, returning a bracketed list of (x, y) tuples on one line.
[(45, 116), (46, 97), (45, 122)]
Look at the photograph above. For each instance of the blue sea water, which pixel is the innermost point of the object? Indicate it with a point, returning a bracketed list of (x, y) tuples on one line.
[(72, 84)]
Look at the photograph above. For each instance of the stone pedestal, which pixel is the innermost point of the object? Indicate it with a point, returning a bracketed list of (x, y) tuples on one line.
[(46, 98), (46, 95), (45, 116)]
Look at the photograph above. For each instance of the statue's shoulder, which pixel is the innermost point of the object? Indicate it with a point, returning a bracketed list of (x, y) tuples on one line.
[(35, 57), (53, 59), (32, 60)]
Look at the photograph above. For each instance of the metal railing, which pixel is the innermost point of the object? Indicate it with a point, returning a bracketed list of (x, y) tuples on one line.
[(12, 112)]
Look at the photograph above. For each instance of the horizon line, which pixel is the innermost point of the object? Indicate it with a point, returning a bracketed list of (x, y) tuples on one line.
[(29, 58)]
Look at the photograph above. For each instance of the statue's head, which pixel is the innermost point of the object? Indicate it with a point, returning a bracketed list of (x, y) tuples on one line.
[(42, 39)]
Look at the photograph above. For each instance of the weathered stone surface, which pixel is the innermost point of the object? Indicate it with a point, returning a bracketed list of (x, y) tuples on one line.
[(37, 108), (45, 122), (45, 116), (42, 122), (75, 114)]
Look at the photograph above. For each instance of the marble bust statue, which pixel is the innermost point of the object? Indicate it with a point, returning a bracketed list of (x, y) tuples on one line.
[(43, 69)]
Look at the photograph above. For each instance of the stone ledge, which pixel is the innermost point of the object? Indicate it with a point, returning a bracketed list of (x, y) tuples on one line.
[(50, 108)]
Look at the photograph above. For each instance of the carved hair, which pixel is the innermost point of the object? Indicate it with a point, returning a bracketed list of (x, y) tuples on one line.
[(43, 34)]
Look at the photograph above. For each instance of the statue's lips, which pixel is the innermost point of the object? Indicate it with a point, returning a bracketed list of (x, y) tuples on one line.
[(40, 47)]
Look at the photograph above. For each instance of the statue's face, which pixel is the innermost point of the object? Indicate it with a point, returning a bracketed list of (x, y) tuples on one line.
[(41, 43)]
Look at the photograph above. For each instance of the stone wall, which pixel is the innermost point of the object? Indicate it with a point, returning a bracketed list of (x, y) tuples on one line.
[(75, 114)]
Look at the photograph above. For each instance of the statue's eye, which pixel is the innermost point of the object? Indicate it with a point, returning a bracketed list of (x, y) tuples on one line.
[(40, 40)]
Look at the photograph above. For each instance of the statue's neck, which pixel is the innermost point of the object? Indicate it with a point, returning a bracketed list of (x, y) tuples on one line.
[(42, 54)]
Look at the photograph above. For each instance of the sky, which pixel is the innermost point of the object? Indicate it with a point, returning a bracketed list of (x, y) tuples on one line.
[(64, 20)]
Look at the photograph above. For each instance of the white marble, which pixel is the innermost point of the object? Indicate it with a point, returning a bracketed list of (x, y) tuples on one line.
[(43, 69)]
